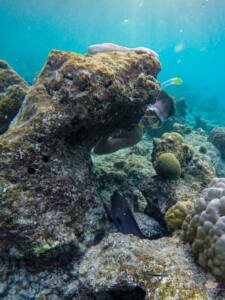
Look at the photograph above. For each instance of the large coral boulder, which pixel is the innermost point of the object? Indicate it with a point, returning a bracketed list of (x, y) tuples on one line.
[(12, 92), (48, 191), (204, 228)]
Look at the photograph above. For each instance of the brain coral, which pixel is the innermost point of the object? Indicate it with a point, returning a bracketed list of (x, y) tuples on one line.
[(204, 228), (168, 166)]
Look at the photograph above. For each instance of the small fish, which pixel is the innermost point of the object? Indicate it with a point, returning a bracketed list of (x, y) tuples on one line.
[(152, 274), (122, 216)]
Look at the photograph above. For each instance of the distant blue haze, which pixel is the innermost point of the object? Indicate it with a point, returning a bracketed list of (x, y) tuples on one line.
[(189, 35)]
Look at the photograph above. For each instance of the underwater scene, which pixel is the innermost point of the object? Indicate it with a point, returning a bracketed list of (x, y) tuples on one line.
[(112, 150)]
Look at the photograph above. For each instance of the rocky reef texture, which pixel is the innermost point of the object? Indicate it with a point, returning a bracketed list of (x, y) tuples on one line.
[(206, 151), (123, 171), (12, 92), (123, 265), (48, 195), (131, 172), (183, 129), (169, 202), (191, 166), (203, 124), (120, 267), (162, 194), (217, 137), (204, 228)]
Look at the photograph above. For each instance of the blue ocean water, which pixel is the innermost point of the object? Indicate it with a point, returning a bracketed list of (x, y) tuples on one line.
[(188, 35)]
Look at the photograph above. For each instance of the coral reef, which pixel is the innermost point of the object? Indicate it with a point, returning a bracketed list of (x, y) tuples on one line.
[(55, 198), (172, 143), (126, 263), (204, 228), (151, 194), (176, 134), (204, 124), (168, 166), (183, 129), (217, 137), (48, 196), (176, 214), (12, 92), (199, 140), (162, 195), (184, 153)]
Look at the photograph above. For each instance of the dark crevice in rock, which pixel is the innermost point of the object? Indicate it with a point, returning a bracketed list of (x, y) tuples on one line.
[(45, 158), (122, 294), (31, 170)]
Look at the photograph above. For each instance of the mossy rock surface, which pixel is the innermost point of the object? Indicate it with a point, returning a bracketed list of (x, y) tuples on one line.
[(48, 194), (125, 262)]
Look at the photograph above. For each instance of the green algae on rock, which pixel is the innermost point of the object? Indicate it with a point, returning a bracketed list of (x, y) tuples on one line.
[(48, 194), (12, 92)]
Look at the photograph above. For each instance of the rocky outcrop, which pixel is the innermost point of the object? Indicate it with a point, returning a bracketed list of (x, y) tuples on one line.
[(12, 92), (48, 195), (123, 266)]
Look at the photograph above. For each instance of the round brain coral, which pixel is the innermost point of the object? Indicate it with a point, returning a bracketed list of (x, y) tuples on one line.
[(168, 166), (204, 228)]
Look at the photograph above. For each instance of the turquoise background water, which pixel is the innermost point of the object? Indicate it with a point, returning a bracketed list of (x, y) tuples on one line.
[(189, 35)]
